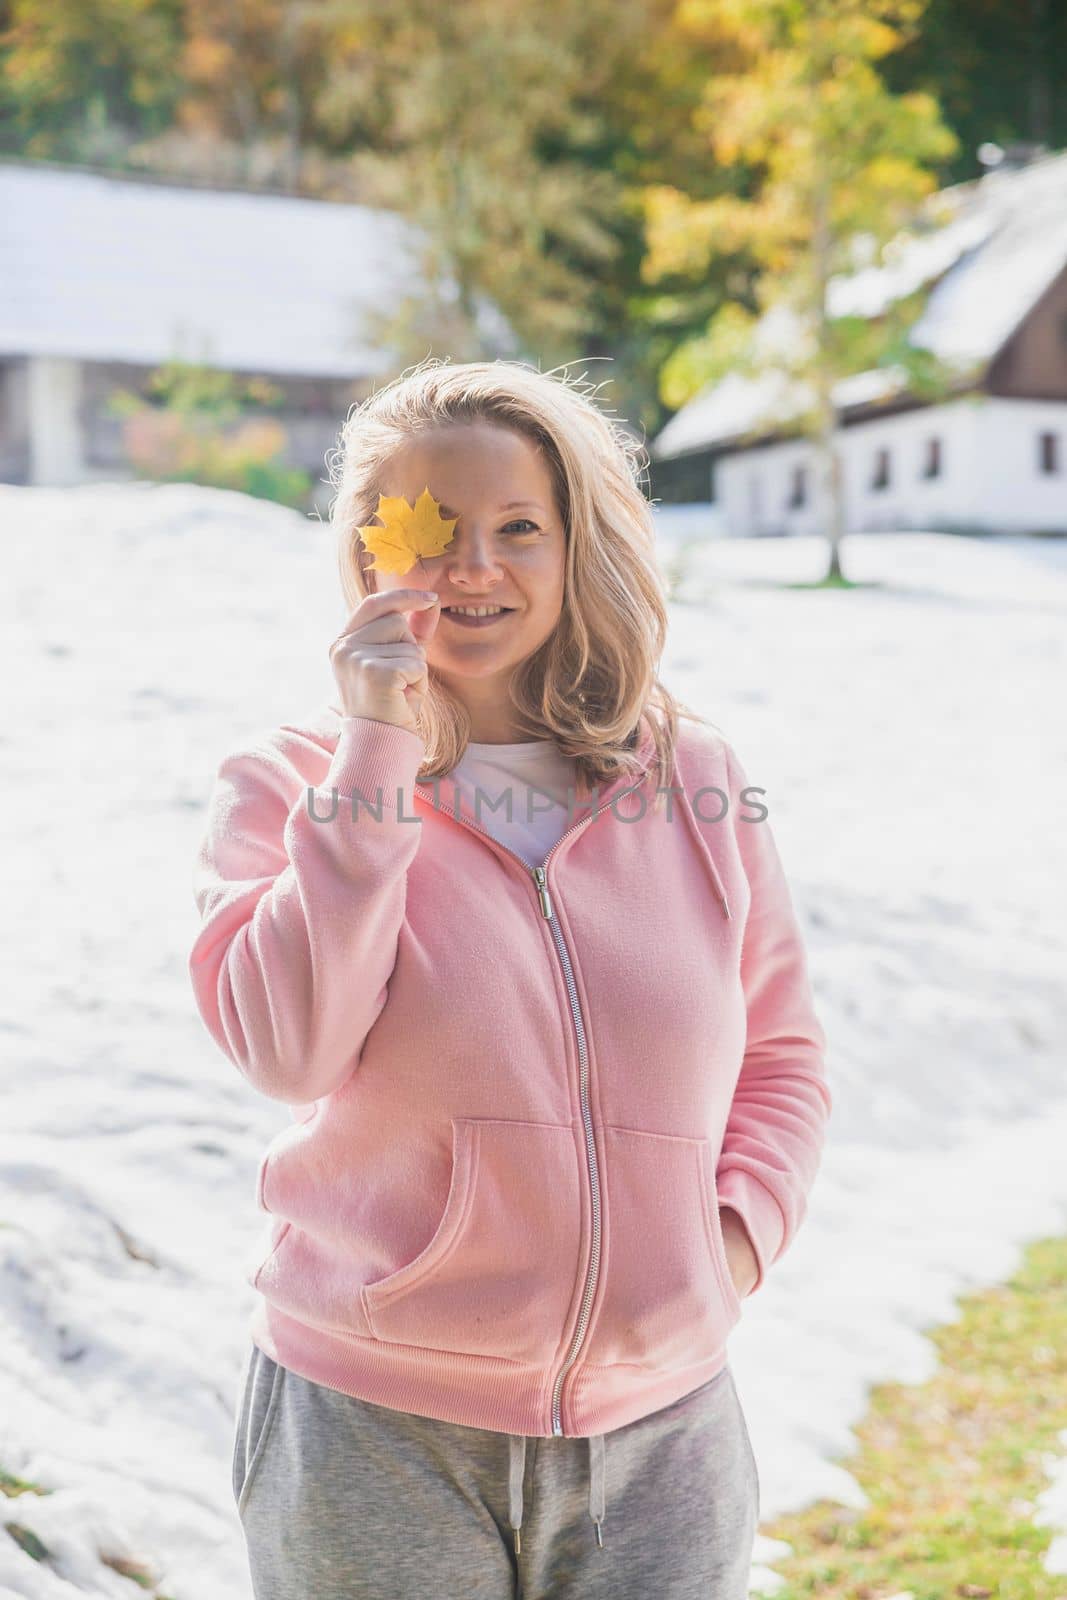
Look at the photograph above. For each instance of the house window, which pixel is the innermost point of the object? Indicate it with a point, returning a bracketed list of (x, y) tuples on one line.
[(932, 459), (880, 476), (712, 491), (1049, 452), (798, 488)]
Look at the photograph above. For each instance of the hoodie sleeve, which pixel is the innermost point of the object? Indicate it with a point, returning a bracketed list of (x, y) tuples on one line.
[(776, 1128), (300, 918)]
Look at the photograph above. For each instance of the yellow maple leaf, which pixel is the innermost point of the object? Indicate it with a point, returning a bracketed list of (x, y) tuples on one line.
[(408, 532)]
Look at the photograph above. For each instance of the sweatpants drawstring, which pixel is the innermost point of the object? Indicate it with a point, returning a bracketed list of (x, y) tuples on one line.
[(517, 1472), (596, 1483)]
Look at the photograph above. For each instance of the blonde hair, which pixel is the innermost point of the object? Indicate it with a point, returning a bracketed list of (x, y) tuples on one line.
[(590, 684)]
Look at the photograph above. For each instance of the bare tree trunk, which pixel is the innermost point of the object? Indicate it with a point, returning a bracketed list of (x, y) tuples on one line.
[(288, 53), (837, 508), (243, 97), (827, 453)]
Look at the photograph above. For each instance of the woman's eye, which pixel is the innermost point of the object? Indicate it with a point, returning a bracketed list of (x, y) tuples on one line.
[(522, 523)]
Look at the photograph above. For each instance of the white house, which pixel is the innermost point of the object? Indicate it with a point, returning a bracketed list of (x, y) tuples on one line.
[(104, 278), (991, 457)]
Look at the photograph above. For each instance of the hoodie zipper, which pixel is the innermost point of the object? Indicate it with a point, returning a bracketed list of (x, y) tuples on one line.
[(540, 878), (590, 1144)]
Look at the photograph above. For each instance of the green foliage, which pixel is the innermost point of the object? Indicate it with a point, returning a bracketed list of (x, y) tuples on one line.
[(519, 135), (572, 161), (79, 78), (838, 157), (949, 1469), (28, 1541), (192, 389), (11, 1485), (194, 427), (997, 68)]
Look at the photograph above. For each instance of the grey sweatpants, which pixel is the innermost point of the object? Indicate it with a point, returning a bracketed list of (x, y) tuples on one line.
[(341, 1499)]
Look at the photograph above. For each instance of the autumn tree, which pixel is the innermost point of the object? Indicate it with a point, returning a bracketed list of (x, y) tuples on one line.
[(831, 164), (469, 119), (250, 72), (80, 78), (544, 147)]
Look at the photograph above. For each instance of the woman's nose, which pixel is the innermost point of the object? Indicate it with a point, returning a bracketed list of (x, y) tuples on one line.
[(473, 558)]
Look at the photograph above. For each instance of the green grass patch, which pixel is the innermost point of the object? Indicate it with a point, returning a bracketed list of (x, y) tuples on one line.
[(834, 581), (137, 1571), (11, 1485), (952, 1468)]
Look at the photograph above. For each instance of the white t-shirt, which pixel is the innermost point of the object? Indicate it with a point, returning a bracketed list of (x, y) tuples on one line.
[(536, 776)]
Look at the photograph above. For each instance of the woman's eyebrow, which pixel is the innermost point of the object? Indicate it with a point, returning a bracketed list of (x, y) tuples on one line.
[(511, 505)]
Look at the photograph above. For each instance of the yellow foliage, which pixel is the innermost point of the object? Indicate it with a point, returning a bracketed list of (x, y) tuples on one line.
[(407, 532), (207, 60)]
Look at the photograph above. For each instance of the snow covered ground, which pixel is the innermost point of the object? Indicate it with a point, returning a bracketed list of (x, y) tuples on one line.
[(911, 741), (1051, 1510)]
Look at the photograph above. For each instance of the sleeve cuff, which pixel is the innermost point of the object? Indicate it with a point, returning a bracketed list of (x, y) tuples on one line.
[(759, 1211), (372, 756)]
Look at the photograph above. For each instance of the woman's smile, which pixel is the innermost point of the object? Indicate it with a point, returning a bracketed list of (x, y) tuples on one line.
[(481, 616)]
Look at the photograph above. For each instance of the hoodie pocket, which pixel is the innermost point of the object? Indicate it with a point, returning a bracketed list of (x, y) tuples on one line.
[(497, 1277), (667, 1299)]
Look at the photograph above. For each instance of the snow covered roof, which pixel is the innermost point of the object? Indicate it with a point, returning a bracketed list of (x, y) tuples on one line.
[(989, 249), (118, 269), (740, 405)]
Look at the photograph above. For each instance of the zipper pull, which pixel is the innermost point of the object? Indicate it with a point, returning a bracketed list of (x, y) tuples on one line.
[(542, 890)]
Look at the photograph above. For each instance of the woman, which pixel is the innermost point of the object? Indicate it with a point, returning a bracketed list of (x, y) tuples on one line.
[(546, 1030)]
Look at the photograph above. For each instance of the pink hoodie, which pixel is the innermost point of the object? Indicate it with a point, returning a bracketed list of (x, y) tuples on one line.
[(520, 1095)]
